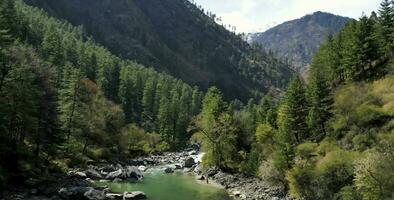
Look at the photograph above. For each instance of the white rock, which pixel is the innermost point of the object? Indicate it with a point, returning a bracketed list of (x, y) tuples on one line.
[(142, 168)]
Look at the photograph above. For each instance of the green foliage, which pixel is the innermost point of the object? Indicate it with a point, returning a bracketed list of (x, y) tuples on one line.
[(220, 133), (135, 141), (292, 125), (320, 101), (292, 114), (315, 176), (373, 171), (250, 162), (301, 180), (265, 139), (306, 151), (7, 27), (362, 109), (59, 93)]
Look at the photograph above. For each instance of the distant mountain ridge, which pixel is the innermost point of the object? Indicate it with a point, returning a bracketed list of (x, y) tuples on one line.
[(297, 40), (176, 37)]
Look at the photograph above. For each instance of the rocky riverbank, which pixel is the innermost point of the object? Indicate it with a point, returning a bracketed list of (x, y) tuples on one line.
[(79, 184)]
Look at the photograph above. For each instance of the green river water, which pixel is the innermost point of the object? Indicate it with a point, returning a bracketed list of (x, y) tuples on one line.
[(177, 186)]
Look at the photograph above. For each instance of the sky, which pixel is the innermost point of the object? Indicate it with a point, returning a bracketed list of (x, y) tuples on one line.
[(259, 15)]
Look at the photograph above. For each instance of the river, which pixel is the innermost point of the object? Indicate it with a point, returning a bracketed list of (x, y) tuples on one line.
[(177, 186)]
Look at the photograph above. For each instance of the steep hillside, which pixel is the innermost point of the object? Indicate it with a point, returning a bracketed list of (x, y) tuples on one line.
[(299, 39), (176, 37)]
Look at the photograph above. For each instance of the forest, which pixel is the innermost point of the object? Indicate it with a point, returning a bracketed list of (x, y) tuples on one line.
[(68, 102), (329, 137)]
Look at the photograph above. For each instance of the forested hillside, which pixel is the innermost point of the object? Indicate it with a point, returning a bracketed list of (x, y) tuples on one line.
[(177, 37), (66, 101), (329, 138), (299, 39)]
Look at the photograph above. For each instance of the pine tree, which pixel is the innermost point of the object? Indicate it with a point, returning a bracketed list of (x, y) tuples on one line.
[(360, 51), (293, 129), (196, 101), (126, 88), (386, 20), (49, 135), (266, 111), (292, 113), (184, 115), (148, 101), (5, 35), (174, 113), (164, 119), (320, 102), (108, 78), (51, 46), (70, 102)]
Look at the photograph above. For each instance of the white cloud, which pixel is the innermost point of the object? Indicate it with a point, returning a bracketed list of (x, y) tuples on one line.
[(258, 15)]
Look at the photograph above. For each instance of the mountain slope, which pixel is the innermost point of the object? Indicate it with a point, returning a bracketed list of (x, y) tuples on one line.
[(299, 39), (176, 37)]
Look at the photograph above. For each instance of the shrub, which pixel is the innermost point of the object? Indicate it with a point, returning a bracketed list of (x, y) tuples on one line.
[(301, 180), (334, 171), (306, 150), (374, 177)]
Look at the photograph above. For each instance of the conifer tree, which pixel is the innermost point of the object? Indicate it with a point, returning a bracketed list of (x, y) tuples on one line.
[(196, 101), (126, 94), (8, 20), (293, 129), (386, 21), (51, 45), (164, 119), (108, 78), (292, 113), (70, 102), (320, 102), (148, 101)]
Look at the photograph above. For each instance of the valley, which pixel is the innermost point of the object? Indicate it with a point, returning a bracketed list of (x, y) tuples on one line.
[(136, 99)]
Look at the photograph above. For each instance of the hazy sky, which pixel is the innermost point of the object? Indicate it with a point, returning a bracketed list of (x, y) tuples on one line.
[(258, 15)]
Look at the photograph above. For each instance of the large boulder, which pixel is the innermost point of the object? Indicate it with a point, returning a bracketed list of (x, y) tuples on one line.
[(142, 168), (178, 166), (168, 170), (192, 153), (114, 196), (134, 195), (93, 194), (74, 192), (93, 174), (132, 172), (114, 174), (189, 162)]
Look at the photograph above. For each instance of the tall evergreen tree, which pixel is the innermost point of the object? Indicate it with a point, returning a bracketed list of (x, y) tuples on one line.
[(52, 45), (293, 112), (386, 20), (164, 119), (108, 78), (196, 101), (320, 101), (126, 94), (6, 23), (70, 102), (148, 100), (293, 129)]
